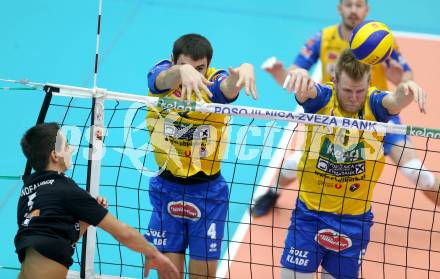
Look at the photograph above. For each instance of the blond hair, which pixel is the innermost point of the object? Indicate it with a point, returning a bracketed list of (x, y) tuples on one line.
[(354, 69)]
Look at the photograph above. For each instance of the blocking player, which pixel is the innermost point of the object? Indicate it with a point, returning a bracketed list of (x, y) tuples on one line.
[(330, 226), (190, 196), (326, 47)]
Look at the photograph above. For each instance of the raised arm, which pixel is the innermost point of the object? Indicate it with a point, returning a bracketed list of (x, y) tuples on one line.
[(405, 93), (299, 81), (185, 75), (396, 68)]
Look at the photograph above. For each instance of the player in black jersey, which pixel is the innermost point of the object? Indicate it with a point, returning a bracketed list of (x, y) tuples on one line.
[(53, 212)]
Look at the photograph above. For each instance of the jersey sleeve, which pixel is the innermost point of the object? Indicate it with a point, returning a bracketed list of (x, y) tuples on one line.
[(310, 53), (217, 94), (323, 96), (154, 72), (380, 112), (397, 56), (82, 205)]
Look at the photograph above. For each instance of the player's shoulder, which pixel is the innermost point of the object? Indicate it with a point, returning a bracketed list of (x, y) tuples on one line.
[(164, 62), (214, 74), (330, 27), (372, 90), (43, 177)]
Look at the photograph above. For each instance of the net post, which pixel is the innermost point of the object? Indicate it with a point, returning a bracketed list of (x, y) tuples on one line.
[(92, 186)]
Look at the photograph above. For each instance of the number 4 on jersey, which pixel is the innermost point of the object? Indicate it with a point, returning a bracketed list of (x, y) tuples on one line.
[(212, 232)]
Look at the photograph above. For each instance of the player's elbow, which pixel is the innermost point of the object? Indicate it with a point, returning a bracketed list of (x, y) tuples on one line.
[(123, 234)]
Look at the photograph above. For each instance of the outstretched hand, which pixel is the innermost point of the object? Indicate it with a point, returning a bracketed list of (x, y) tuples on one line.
[(245, 76), (193, 81), (412, 89), (299, 81)]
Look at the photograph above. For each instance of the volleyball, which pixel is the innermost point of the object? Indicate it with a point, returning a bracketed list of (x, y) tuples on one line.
[(371, 42)]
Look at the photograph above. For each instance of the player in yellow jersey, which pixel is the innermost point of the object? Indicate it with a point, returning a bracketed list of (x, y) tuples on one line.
[(326, 47), (190, 196), (331, 223)]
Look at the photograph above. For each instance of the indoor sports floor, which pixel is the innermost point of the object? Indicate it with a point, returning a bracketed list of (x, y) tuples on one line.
[(54, 41)]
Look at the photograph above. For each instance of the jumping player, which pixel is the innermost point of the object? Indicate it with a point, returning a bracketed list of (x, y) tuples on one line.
[(190, 196)]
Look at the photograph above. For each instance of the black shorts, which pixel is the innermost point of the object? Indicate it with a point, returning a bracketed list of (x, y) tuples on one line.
[(58, 250)]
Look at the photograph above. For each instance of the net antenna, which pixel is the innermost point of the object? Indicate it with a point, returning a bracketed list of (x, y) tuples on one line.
[(94, 162)]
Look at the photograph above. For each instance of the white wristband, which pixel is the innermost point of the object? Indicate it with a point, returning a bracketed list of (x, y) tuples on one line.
[(417, 173)]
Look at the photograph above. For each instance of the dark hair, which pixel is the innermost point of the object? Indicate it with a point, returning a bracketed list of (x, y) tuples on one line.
[(38, 142), (348, 63), (193, 45)]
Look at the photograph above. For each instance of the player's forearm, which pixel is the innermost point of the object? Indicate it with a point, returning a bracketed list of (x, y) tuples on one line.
[(229, 88), (169, 78), (279, 74), (135, 241), (394, 103)]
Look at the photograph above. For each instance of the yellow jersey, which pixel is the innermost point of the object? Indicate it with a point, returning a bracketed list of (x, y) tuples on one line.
[(341, 166), (187, 142)]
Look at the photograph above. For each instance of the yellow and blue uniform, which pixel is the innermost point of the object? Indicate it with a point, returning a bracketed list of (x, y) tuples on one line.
[(331, 223), (190, 196), (326, 46)]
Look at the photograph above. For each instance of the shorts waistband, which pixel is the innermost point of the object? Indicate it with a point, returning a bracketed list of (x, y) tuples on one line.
[(199, 177)]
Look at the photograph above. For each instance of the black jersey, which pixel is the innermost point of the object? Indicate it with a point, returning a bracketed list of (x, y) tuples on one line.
[(48, 214)]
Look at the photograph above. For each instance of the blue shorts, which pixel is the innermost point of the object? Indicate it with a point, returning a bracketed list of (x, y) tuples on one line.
[(392, 139), (188, 216), (337, 242)]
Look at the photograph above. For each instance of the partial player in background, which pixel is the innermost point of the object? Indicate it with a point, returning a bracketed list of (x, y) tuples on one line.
[(190, 196), (326, 47), (330, 225), (53, 213)]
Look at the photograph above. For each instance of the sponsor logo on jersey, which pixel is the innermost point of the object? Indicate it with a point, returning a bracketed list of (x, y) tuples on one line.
[(298, 257), (354, 187), (332, 56), (181, 209), (330, 184), (213, 247), (332, 240)]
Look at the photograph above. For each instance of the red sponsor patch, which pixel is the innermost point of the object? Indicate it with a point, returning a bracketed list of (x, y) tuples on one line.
[(332, 240), (332, 56), (187, 210), (338, 186)]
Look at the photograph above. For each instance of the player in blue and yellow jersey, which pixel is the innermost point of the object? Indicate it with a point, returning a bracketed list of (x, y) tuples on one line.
[(190, 196), (326, 47), (331, 223)]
